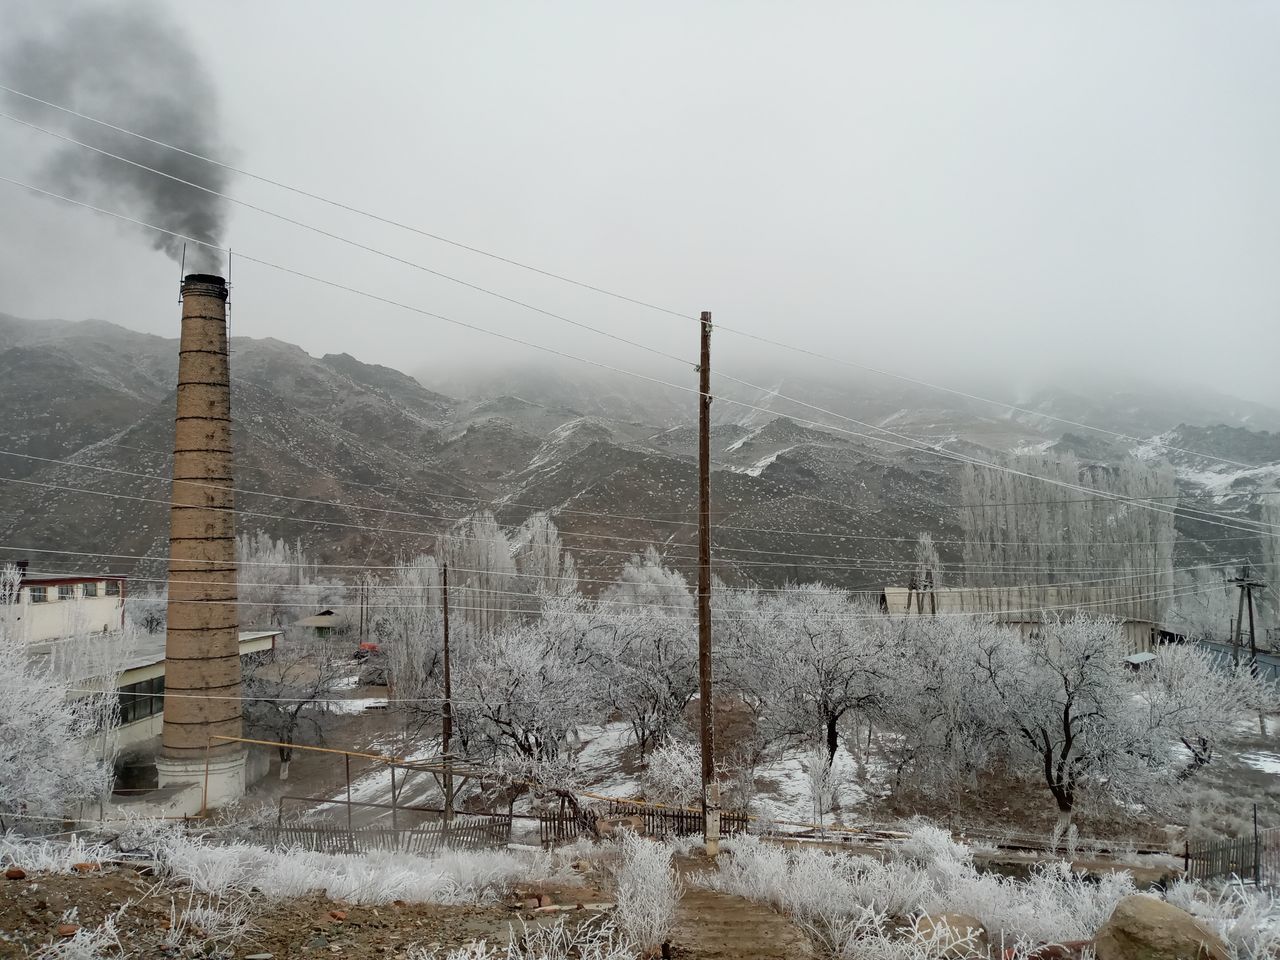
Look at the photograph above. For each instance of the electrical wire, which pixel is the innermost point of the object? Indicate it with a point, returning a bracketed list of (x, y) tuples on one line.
[(312, 589), (910, 444), (844, 562), (564, 279), (352, 209)]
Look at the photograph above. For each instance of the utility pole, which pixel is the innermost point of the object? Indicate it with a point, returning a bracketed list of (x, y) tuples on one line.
[(1246, 583), (360, 588), (446, 717), (710, 789)]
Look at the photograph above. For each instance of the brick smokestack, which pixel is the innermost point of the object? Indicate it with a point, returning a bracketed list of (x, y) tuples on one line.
[(202, 649)]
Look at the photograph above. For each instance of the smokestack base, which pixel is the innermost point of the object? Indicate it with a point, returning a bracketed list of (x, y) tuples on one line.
[(218, 781)]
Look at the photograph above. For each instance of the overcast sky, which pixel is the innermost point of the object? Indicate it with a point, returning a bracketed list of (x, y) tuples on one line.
[(936, 188)]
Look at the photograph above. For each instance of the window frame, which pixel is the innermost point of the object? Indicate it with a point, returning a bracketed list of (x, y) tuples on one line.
[(38, 594)]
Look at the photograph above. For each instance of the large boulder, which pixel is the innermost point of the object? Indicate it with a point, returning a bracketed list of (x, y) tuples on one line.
[(1144, 928), (956, 935)]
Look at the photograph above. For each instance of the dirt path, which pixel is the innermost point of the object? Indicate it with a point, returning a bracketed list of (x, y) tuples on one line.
[(714, 924)]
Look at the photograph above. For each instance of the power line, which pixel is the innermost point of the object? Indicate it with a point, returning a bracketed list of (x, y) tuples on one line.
[(596, 289), (299, 588), (1163, 594), (352, 209), (910, 444), (642, 519), (401, 567), (354, 243), (970, 396), (844, 563)]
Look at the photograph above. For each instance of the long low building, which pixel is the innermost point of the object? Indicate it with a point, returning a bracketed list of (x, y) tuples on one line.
[(57, 613), (1026, 606)]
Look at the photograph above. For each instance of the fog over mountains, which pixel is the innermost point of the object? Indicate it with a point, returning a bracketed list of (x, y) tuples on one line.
[(366, 464)]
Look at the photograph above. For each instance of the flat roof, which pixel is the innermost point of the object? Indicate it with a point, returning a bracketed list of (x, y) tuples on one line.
[(149, 650), (50, 579)]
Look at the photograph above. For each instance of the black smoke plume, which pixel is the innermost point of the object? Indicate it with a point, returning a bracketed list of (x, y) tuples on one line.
[(129, 64)]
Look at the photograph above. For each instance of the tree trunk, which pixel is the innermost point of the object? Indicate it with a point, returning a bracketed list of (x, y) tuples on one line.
[(833, 737), (1061, 828)]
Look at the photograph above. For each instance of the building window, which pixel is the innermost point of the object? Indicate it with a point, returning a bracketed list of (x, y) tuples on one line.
[(90, 589), (113, 588), (141, 700), (66, 592), (39, 594)]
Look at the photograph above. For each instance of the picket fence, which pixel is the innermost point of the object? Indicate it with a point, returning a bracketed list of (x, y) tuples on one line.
[(464, 832), (1253, 859)]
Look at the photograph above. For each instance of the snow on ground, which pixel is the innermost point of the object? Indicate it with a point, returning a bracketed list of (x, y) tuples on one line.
[(785, 792), (354, 705), (599, 760), (1261, 760), (759, 466)]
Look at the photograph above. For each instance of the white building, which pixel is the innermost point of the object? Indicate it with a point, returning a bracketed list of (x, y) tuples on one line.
[(52, 610), (56, 606)]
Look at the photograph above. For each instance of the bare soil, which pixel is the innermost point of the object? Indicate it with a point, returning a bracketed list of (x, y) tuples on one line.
[(710, 925)]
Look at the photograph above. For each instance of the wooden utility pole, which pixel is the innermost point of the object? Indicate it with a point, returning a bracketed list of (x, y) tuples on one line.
[(1246, 583), (710, 789), (446, 712)]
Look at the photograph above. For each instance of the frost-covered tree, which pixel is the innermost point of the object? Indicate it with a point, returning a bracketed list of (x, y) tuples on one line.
[(483, 580), (1197, 698), (817, 659), (278, 584), (650, 657), (647, 642), (928, 574), (286, 694), (48, 750), (674, 774), (646, 581), (545, 567), (1067, 703), (1270, 537), (522, 688), (409, 627), (949, 725), (147, 607), (1020, 529), (1206, 608)]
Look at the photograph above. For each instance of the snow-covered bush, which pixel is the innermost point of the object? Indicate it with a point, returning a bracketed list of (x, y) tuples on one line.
[(50, 856), (648, 891), (598, 940), (88, 943), (375, 877), (836, 896), (1248, 920), (674, 774)]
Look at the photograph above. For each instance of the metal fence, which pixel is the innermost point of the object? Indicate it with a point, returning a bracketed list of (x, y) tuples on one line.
[(1253, 859), (466, 832)]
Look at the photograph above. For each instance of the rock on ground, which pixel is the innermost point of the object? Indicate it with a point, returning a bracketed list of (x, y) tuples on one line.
[(1144, 928)]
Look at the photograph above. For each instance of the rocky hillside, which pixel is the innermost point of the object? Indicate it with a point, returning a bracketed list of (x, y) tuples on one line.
[(364, 464)]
